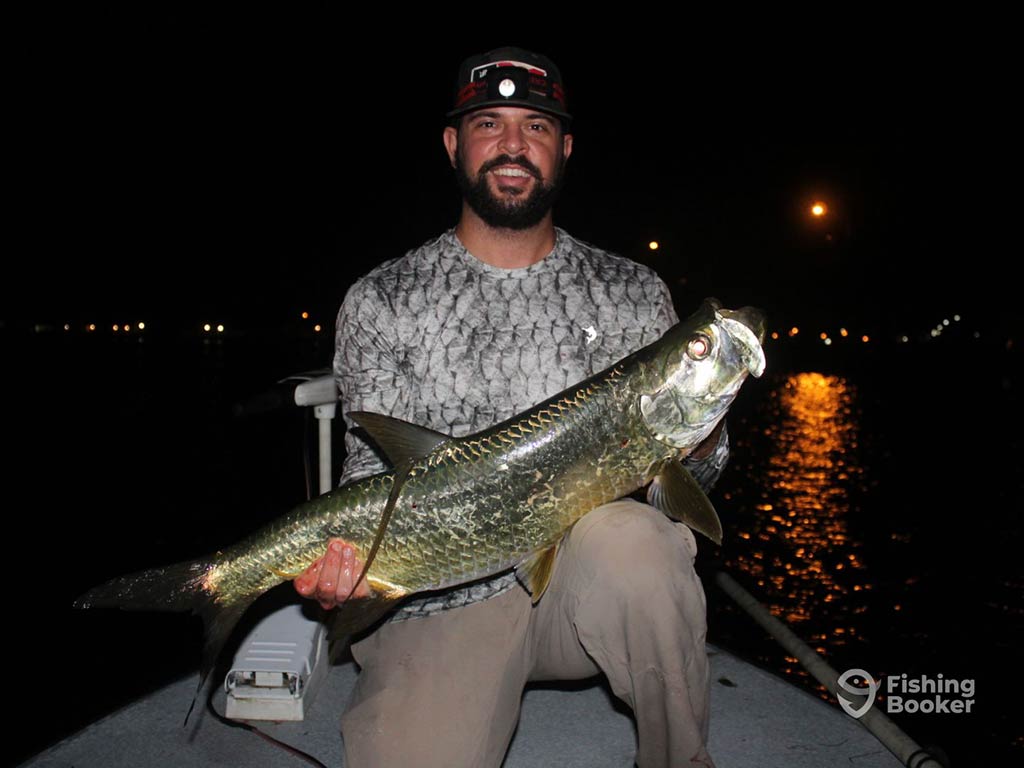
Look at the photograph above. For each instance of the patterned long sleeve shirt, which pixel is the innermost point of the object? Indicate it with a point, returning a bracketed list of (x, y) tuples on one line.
[(442, 339)]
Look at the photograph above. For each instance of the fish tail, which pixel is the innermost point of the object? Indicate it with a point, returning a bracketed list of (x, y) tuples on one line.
[(170, 588), (178, 587)]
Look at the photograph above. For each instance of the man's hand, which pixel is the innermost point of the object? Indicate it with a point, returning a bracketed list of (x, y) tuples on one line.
[(330, 579)]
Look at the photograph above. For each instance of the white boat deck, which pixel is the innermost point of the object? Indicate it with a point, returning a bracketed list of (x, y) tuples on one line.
[(758, 721)]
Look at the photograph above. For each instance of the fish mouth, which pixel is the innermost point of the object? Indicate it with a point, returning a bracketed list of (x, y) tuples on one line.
[(747, 327)]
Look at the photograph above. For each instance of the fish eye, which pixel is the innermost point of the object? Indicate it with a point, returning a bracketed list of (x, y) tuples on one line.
[(699, 347)]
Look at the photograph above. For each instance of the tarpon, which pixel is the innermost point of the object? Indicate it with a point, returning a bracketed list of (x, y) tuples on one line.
[(453, 510)]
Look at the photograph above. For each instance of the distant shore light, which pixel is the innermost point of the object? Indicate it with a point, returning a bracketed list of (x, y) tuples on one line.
[(67, 327), (775, 334), (206, 327), (794, 331), (819, 209), (653, 245), (116, 329), (316, 328), (865, 338), (220, 328), (91, 326), (843, 332), (305, 315), (142, 326)]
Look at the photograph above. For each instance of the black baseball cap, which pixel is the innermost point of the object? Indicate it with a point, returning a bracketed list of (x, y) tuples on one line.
[(510, 77)]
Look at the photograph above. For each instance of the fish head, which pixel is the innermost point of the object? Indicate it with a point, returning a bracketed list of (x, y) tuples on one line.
[(695, 370)]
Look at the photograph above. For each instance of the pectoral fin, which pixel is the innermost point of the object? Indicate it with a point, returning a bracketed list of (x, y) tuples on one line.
[(400, 440), (677, 494), (535, 571)]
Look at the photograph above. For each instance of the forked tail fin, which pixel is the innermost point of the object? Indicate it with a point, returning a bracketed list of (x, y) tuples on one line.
[(178, 587)]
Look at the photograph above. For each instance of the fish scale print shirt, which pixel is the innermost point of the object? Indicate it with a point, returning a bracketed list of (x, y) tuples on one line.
[(441, 339)]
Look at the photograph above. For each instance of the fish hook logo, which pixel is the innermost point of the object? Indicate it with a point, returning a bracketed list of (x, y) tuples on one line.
[(870, 691)]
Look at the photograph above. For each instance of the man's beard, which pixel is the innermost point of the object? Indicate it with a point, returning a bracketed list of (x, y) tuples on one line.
[(516, 213)]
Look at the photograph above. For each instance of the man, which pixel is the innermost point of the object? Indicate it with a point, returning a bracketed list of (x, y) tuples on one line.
[(487, 320)]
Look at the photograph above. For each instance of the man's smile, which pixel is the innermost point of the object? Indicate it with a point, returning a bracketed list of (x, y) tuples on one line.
[(507, 171)]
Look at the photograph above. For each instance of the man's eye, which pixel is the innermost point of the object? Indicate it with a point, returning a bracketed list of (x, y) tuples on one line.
[(539, 126)]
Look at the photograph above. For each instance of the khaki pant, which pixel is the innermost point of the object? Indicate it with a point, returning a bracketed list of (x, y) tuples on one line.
[(624, 600)]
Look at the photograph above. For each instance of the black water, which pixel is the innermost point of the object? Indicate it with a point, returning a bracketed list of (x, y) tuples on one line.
[(128, 452)]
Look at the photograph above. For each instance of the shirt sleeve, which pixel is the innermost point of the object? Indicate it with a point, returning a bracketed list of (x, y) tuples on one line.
[(665, 313), (368, 372)]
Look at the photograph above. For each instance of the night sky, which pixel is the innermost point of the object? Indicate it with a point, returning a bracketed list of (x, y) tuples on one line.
[(244, 166)]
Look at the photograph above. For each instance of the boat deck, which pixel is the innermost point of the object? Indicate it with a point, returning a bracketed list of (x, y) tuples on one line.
[(758, 721)]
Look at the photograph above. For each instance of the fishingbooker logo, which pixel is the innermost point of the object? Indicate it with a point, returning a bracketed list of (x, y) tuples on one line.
[(931, 694), (870, 690)]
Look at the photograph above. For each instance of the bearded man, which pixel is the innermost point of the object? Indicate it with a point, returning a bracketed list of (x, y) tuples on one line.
[(489, 319)]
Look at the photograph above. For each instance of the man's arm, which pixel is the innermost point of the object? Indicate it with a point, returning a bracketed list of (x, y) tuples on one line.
[(368, 373)]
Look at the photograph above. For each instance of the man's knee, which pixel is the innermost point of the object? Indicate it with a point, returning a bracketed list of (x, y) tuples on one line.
[(634, 547)]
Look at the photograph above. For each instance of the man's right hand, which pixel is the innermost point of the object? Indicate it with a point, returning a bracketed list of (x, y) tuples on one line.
[(329, 580)]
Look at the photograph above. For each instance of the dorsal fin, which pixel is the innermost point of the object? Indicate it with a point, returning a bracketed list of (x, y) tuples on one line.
[(399, 478), (401, 441), (677, 494)]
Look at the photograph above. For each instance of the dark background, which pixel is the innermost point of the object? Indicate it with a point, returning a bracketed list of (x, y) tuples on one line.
[(177, 164)]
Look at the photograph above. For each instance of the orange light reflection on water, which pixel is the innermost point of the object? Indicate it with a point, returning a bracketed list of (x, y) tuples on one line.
[(811, 576)]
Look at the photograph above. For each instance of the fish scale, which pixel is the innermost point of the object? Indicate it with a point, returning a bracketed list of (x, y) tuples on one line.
[(504, 497)]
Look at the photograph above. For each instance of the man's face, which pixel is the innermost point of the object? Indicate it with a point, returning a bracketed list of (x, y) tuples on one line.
[(509, 162)]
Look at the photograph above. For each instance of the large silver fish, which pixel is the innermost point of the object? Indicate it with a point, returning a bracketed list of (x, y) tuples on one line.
[(458, 509)]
